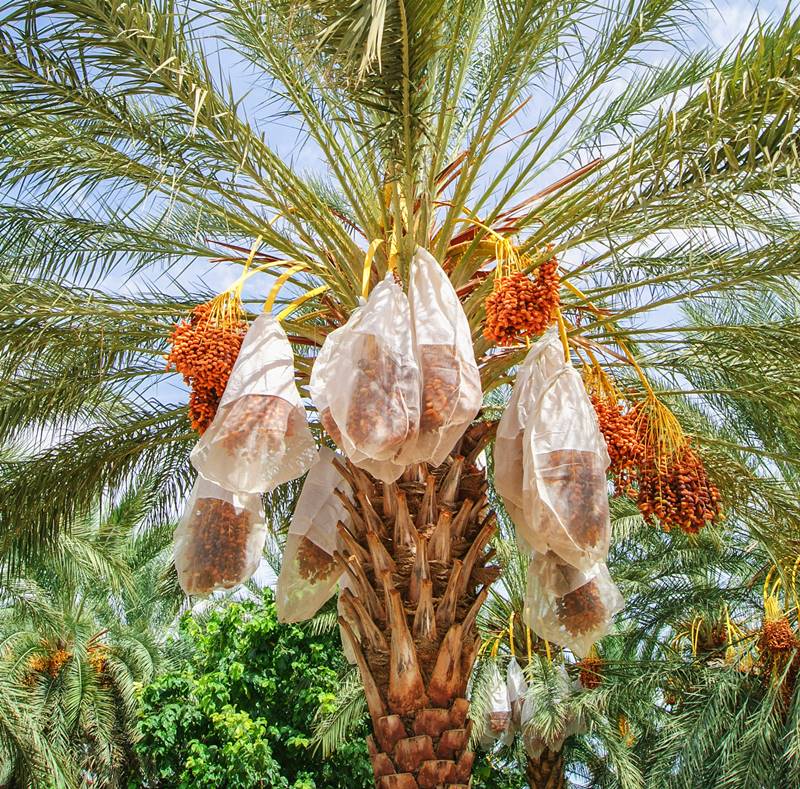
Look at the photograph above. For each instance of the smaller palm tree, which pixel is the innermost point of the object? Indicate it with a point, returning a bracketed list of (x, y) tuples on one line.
[(81, 628)]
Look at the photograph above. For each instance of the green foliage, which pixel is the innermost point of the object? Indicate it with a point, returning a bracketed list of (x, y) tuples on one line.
[(227, 747), (241, 709), (81, 628), (491, 772)]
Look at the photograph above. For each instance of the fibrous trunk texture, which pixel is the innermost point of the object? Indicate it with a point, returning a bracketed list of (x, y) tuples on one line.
[(547, 771), (417, 562)]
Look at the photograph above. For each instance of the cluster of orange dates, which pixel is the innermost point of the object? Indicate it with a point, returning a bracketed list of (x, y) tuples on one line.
[(677, 491), (590, 672), (672, 487), (203, 351), (54, 658), (777, 636), (623, 444), (98, 658), (50, 663), (780, 660), (520, 307)]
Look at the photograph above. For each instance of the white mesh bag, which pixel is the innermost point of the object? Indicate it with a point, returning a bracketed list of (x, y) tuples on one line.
[(219, 540), (564, 488), (555, 575), (451, 385), (517, 688), (576, 619), (365, 382), (508, 446), (497, 724), (259, 438), (309, 572)]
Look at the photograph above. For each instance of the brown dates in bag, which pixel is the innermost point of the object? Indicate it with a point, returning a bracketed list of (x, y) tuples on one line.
[(575, 487), (219, 540), (365, 382), (314, 564), (377, 416), (258, 420), (576, 619), (440, 387)]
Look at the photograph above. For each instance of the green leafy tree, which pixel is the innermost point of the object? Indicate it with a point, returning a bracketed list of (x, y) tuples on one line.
[(240, 711), (82, 626)]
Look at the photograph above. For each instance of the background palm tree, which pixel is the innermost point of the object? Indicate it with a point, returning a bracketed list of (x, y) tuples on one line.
[(82, 627), (125, 148)]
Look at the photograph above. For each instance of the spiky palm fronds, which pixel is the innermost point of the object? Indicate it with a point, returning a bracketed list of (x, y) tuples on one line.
[(81, 628), (145, 158)]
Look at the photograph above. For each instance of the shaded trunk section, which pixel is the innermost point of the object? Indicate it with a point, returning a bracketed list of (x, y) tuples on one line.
[(417, 562), (547, 771)]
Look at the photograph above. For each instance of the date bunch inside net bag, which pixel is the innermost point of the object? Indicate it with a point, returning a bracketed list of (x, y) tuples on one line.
[(219, 540), (451, 393), (398, 383), (550, 470), (365, 382), (259, 438), (570, 607), (309, 570), (497, 724)]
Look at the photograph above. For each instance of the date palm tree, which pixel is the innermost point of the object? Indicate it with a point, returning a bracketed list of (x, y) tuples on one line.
[(127, 148), (83, 625)]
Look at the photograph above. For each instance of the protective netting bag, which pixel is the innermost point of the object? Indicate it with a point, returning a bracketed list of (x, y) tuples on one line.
[(556, 576), (508, 448), (365, 382), (517, 687), (219, 540), (451, 385), (576, 619), (309, 572), (564, 488), (497, 723), (259, 438)]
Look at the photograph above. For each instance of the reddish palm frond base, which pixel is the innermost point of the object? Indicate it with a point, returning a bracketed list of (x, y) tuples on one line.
[(417, 562)]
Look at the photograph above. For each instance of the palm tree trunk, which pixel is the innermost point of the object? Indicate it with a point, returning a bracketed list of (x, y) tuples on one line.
[(416, 561), (547, 771)]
